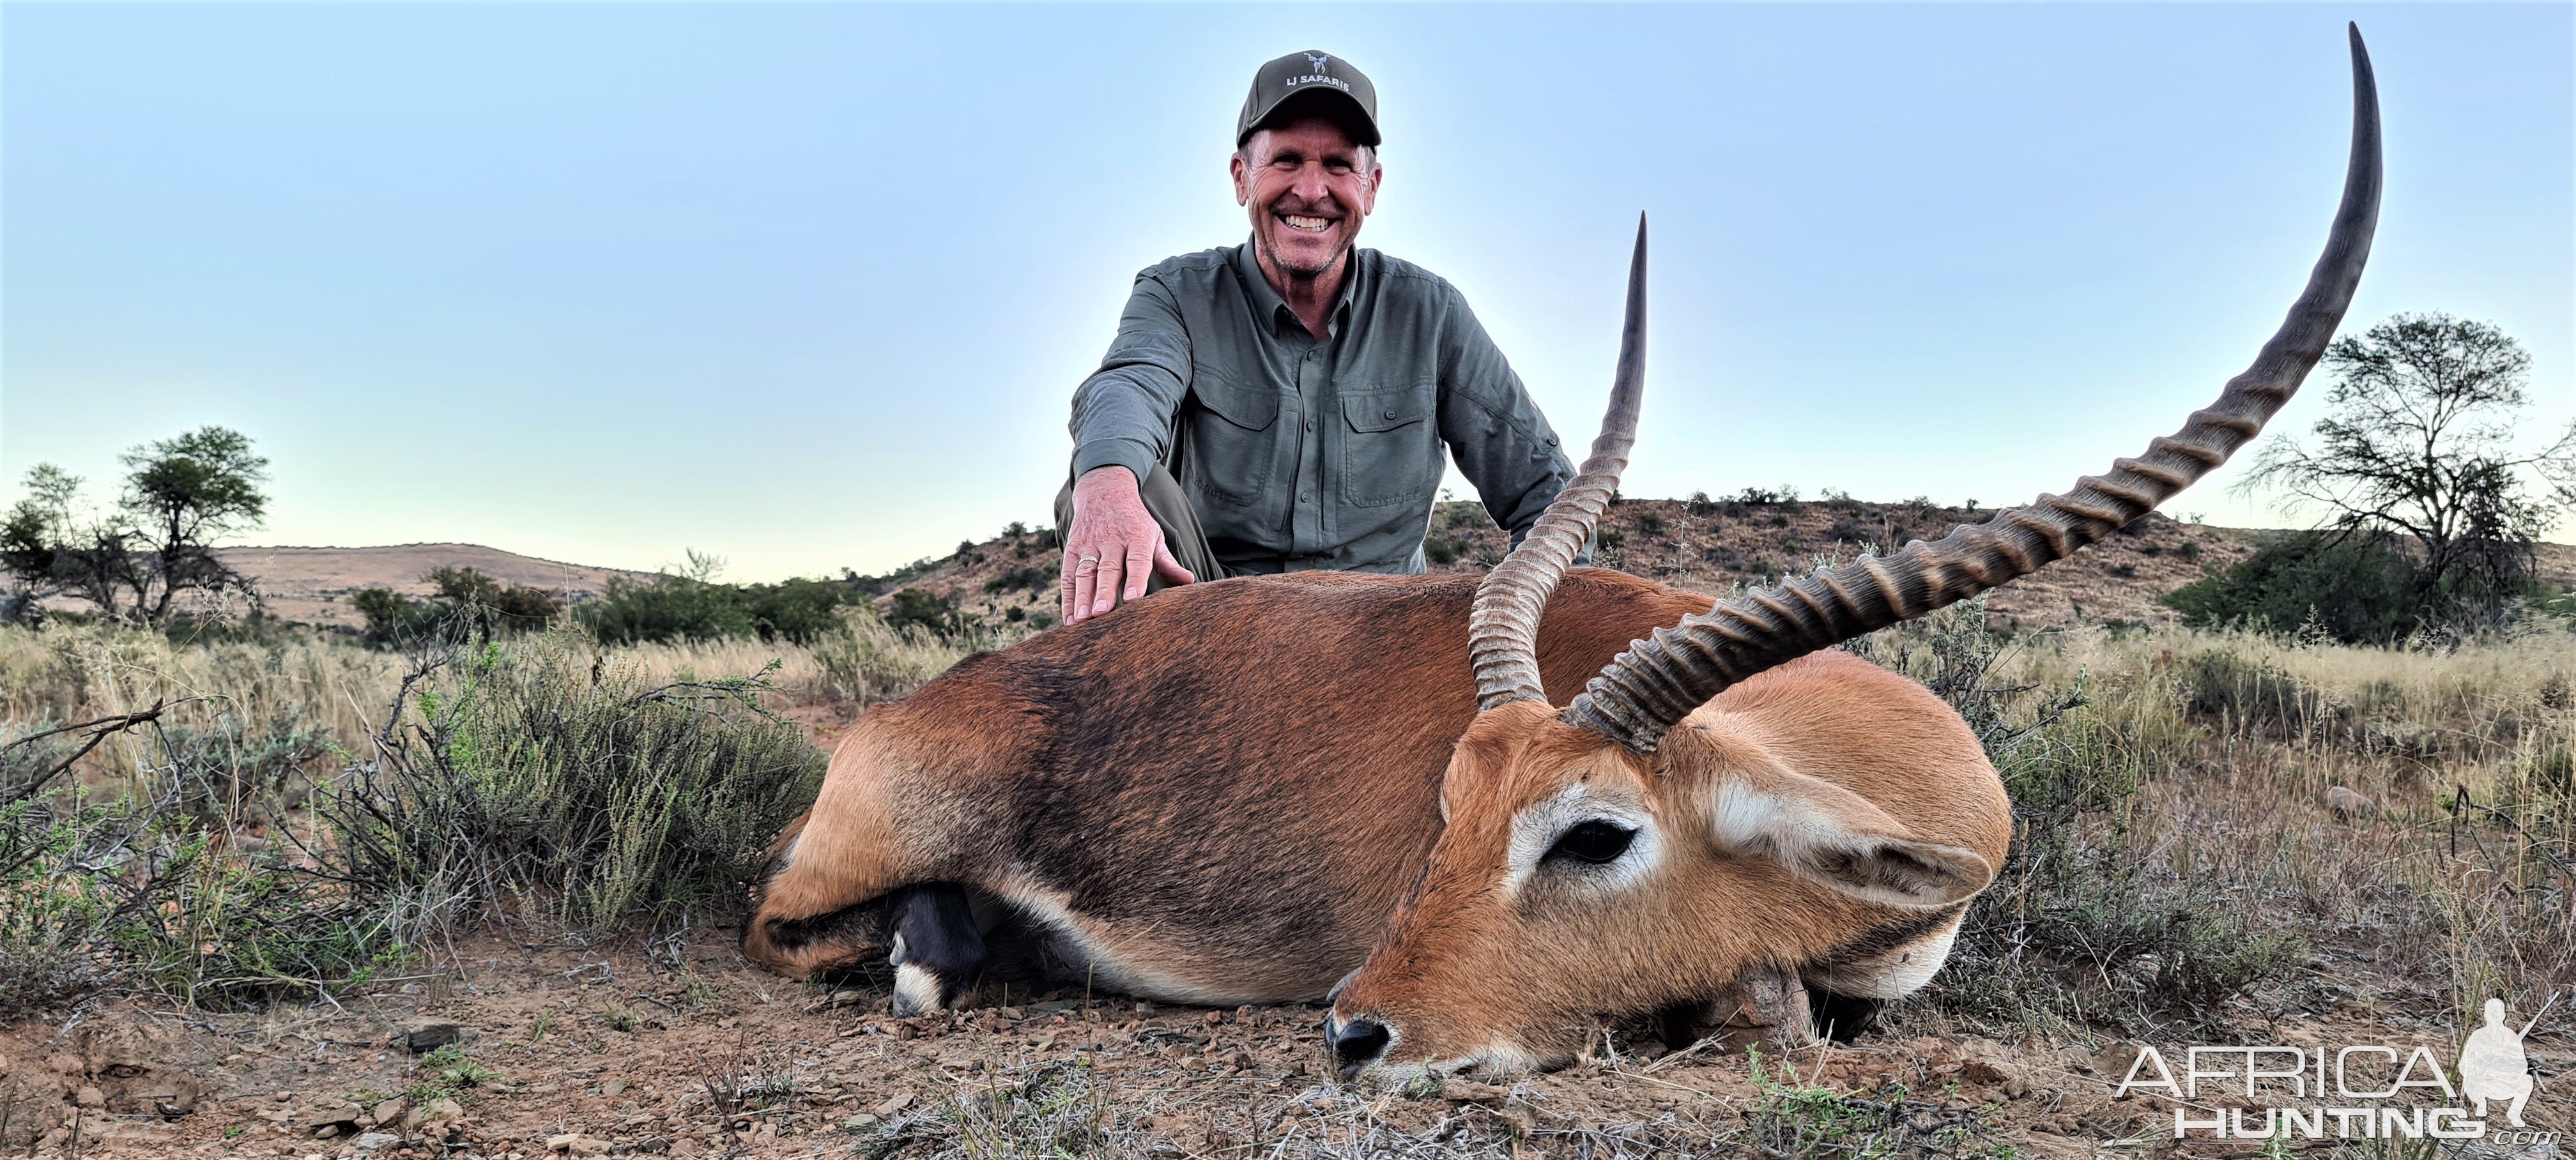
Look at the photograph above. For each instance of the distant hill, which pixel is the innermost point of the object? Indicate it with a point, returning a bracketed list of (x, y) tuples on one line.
[(1712, 546), (1700, 546), (313, 584)]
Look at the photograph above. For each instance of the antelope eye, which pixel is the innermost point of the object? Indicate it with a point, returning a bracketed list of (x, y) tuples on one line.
[(1591, 842)]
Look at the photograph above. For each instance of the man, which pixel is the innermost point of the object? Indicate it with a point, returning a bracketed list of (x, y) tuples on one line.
[(1284, 404)]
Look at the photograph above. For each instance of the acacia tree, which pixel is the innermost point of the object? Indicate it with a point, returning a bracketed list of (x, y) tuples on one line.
[(2418, 444), (133, 561)]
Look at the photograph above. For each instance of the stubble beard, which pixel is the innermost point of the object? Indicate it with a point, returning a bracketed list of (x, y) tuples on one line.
[(1299, 273)]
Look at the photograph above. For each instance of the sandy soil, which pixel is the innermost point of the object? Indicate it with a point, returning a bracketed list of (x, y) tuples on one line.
[(684, 1049)]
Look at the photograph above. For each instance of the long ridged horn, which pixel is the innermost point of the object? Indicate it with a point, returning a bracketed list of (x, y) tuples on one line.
[(1657, 682), (1502, 631)]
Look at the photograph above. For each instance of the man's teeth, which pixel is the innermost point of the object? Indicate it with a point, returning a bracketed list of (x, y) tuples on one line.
[(1308, 224)]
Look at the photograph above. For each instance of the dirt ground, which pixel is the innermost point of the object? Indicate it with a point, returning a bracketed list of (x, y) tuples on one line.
[(682, 1048)]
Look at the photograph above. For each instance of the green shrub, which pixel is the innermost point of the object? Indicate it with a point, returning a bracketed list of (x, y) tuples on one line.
[(798, 611), (391, 617), (1032, 578), (2354, 589), (1438, 553), (929, 611), (667, 609), (463, 601), (540, 775), (234, 767), (129, 896), (691, 605)]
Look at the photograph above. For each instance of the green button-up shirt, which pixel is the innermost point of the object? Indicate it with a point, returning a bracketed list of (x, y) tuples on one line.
[(1299, 453)]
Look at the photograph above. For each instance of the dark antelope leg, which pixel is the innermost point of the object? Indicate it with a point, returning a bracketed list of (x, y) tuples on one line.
[(938, 952), (1842, 1018)]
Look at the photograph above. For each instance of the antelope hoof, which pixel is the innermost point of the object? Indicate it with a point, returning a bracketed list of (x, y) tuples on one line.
[(937, 951), (1766, 1008), (918, 991)]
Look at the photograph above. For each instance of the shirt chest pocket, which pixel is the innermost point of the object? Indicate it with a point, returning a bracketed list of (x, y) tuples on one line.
[(1391, 445), (1236, 452)]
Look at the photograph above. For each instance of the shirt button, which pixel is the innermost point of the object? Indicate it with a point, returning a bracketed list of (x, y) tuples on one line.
[(1551, 440), (1388, 415), (1305, 497), (1310, 424)]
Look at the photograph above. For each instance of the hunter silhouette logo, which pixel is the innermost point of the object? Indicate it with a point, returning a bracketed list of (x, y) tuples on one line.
[(2492, 1065), (2357, 1091), (1317, 61)]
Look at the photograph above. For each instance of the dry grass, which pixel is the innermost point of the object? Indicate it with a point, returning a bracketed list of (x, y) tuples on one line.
[(2178, 867), (2195, 869)]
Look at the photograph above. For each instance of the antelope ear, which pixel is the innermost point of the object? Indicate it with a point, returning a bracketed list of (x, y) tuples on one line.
[(1836, 838)]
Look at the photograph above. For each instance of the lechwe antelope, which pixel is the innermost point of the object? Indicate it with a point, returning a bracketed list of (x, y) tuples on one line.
[(1220, 794), (1725, 803)]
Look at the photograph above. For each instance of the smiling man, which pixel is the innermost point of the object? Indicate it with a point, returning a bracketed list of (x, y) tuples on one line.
[(1285, 404)]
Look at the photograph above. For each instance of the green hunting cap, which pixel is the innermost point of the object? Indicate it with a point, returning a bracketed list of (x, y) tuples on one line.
[(1311, 84)]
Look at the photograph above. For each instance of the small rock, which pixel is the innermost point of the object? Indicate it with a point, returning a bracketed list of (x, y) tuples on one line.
[(1008, 1012), (2345, 803), (389, 1111), (334, 1115), (1987, 1071), (893, 1105), (421, 1035), (576, 1144), (90, 1097), (2113, 1062), (1214, 1018), (614, 1087), (1242, 1059), (848, 998), (377, 1141), (438, 1111)]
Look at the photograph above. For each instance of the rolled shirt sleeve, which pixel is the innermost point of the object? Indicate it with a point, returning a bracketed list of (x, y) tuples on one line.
[(1497, 436), (1123, 413)]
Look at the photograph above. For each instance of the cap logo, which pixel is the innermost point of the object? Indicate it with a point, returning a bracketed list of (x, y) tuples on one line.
[(1317, 61)]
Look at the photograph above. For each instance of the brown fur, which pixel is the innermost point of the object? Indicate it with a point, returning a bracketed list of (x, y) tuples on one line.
[(1471, 971), (1226, 785), (1225, 790)]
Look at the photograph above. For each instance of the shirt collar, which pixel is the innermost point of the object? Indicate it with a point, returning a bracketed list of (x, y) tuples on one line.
[(1267, 304)]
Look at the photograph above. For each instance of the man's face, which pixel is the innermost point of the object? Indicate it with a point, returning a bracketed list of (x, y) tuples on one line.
[(1308, 188)]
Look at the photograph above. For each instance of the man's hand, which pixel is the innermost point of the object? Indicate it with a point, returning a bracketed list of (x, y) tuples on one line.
[(1113, 546)]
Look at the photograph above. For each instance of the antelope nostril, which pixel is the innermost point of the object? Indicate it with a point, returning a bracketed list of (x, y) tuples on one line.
[(1357, 1043)]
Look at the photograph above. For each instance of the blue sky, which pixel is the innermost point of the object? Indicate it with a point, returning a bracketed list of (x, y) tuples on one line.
[(808, 286)]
